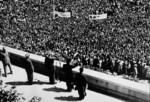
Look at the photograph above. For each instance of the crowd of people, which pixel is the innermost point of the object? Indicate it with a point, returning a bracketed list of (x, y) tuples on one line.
[(116, 45)]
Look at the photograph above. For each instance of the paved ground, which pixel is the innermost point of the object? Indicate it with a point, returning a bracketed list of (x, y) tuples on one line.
[(50, 93)]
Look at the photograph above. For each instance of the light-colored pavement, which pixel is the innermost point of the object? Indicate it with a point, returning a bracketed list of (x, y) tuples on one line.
[(49, 93)]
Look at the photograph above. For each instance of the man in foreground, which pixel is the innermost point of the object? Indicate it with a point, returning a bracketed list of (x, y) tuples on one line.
[(49, 64), (81, 84), (29, 68), (67, 68), (6, 61)]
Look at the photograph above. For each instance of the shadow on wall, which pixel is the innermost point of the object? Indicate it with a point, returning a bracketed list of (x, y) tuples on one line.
[(55, 89), (19, 83), (68, 98)]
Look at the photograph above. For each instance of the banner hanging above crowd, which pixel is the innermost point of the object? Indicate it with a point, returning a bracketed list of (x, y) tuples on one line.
[(98, 17), (62, 14)]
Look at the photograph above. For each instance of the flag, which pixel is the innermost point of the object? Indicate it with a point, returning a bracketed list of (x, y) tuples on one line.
[(62, 14), (98, 17)]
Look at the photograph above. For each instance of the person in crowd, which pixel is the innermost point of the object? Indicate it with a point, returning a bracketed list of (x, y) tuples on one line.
[(103, 64), (112, 65), (135, 72), (88, 61), (6, 61), (118, 35), (132, 62), (49, 64), (74, 61), (145, 70), (148, 73), (129, 68), (116, 67), (100, 64), (120, 67), (95, 63), (109, 64), (29, 68), (81, 84), (67, 68), (139, 69), (124, 67), (83, 59)]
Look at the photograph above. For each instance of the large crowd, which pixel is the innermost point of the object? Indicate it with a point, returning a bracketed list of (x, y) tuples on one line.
[(117, 45)]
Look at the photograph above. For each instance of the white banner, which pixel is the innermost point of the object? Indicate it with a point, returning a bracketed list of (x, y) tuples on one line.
[(62, 14), (98, 17)]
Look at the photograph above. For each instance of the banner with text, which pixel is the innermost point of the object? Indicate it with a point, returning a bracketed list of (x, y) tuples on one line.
[(98, 17), (62, 14)]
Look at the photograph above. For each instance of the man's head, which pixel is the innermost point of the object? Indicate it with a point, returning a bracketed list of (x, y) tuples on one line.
[(81, 70), (68, 60), (27, 55)]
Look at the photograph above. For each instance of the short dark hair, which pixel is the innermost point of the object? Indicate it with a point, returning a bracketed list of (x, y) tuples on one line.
[(68, 60), (81, 70)]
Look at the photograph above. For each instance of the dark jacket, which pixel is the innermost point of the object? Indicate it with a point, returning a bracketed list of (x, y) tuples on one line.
[(96, 62), (28, 65), (80, 81), (68, 72), (48, 62)]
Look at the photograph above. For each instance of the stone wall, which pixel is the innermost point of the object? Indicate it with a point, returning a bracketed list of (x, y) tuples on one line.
[(98, 81)]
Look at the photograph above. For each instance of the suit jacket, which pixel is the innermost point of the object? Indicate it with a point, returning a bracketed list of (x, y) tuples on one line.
[(29, 65), (80, 81), (68, 72), (48, 62)]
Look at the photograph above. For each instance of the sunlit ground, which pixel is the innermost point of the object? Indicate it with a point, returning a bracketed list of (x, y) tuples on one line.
[(49, 93)]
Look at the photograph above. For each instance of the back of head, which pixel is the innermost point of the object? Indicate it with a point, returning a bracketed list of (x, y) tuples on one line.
[(27, 55), (81, 70), (68, 60)]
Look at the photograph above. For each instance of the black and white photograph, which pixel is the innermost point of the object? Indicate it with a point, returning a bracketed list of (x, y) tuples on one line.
[(74, 50)]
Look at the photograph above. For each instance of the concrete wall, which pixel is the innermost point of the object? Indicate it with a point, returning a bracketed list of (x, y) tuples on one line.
[(101, 82), (134, 91)]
